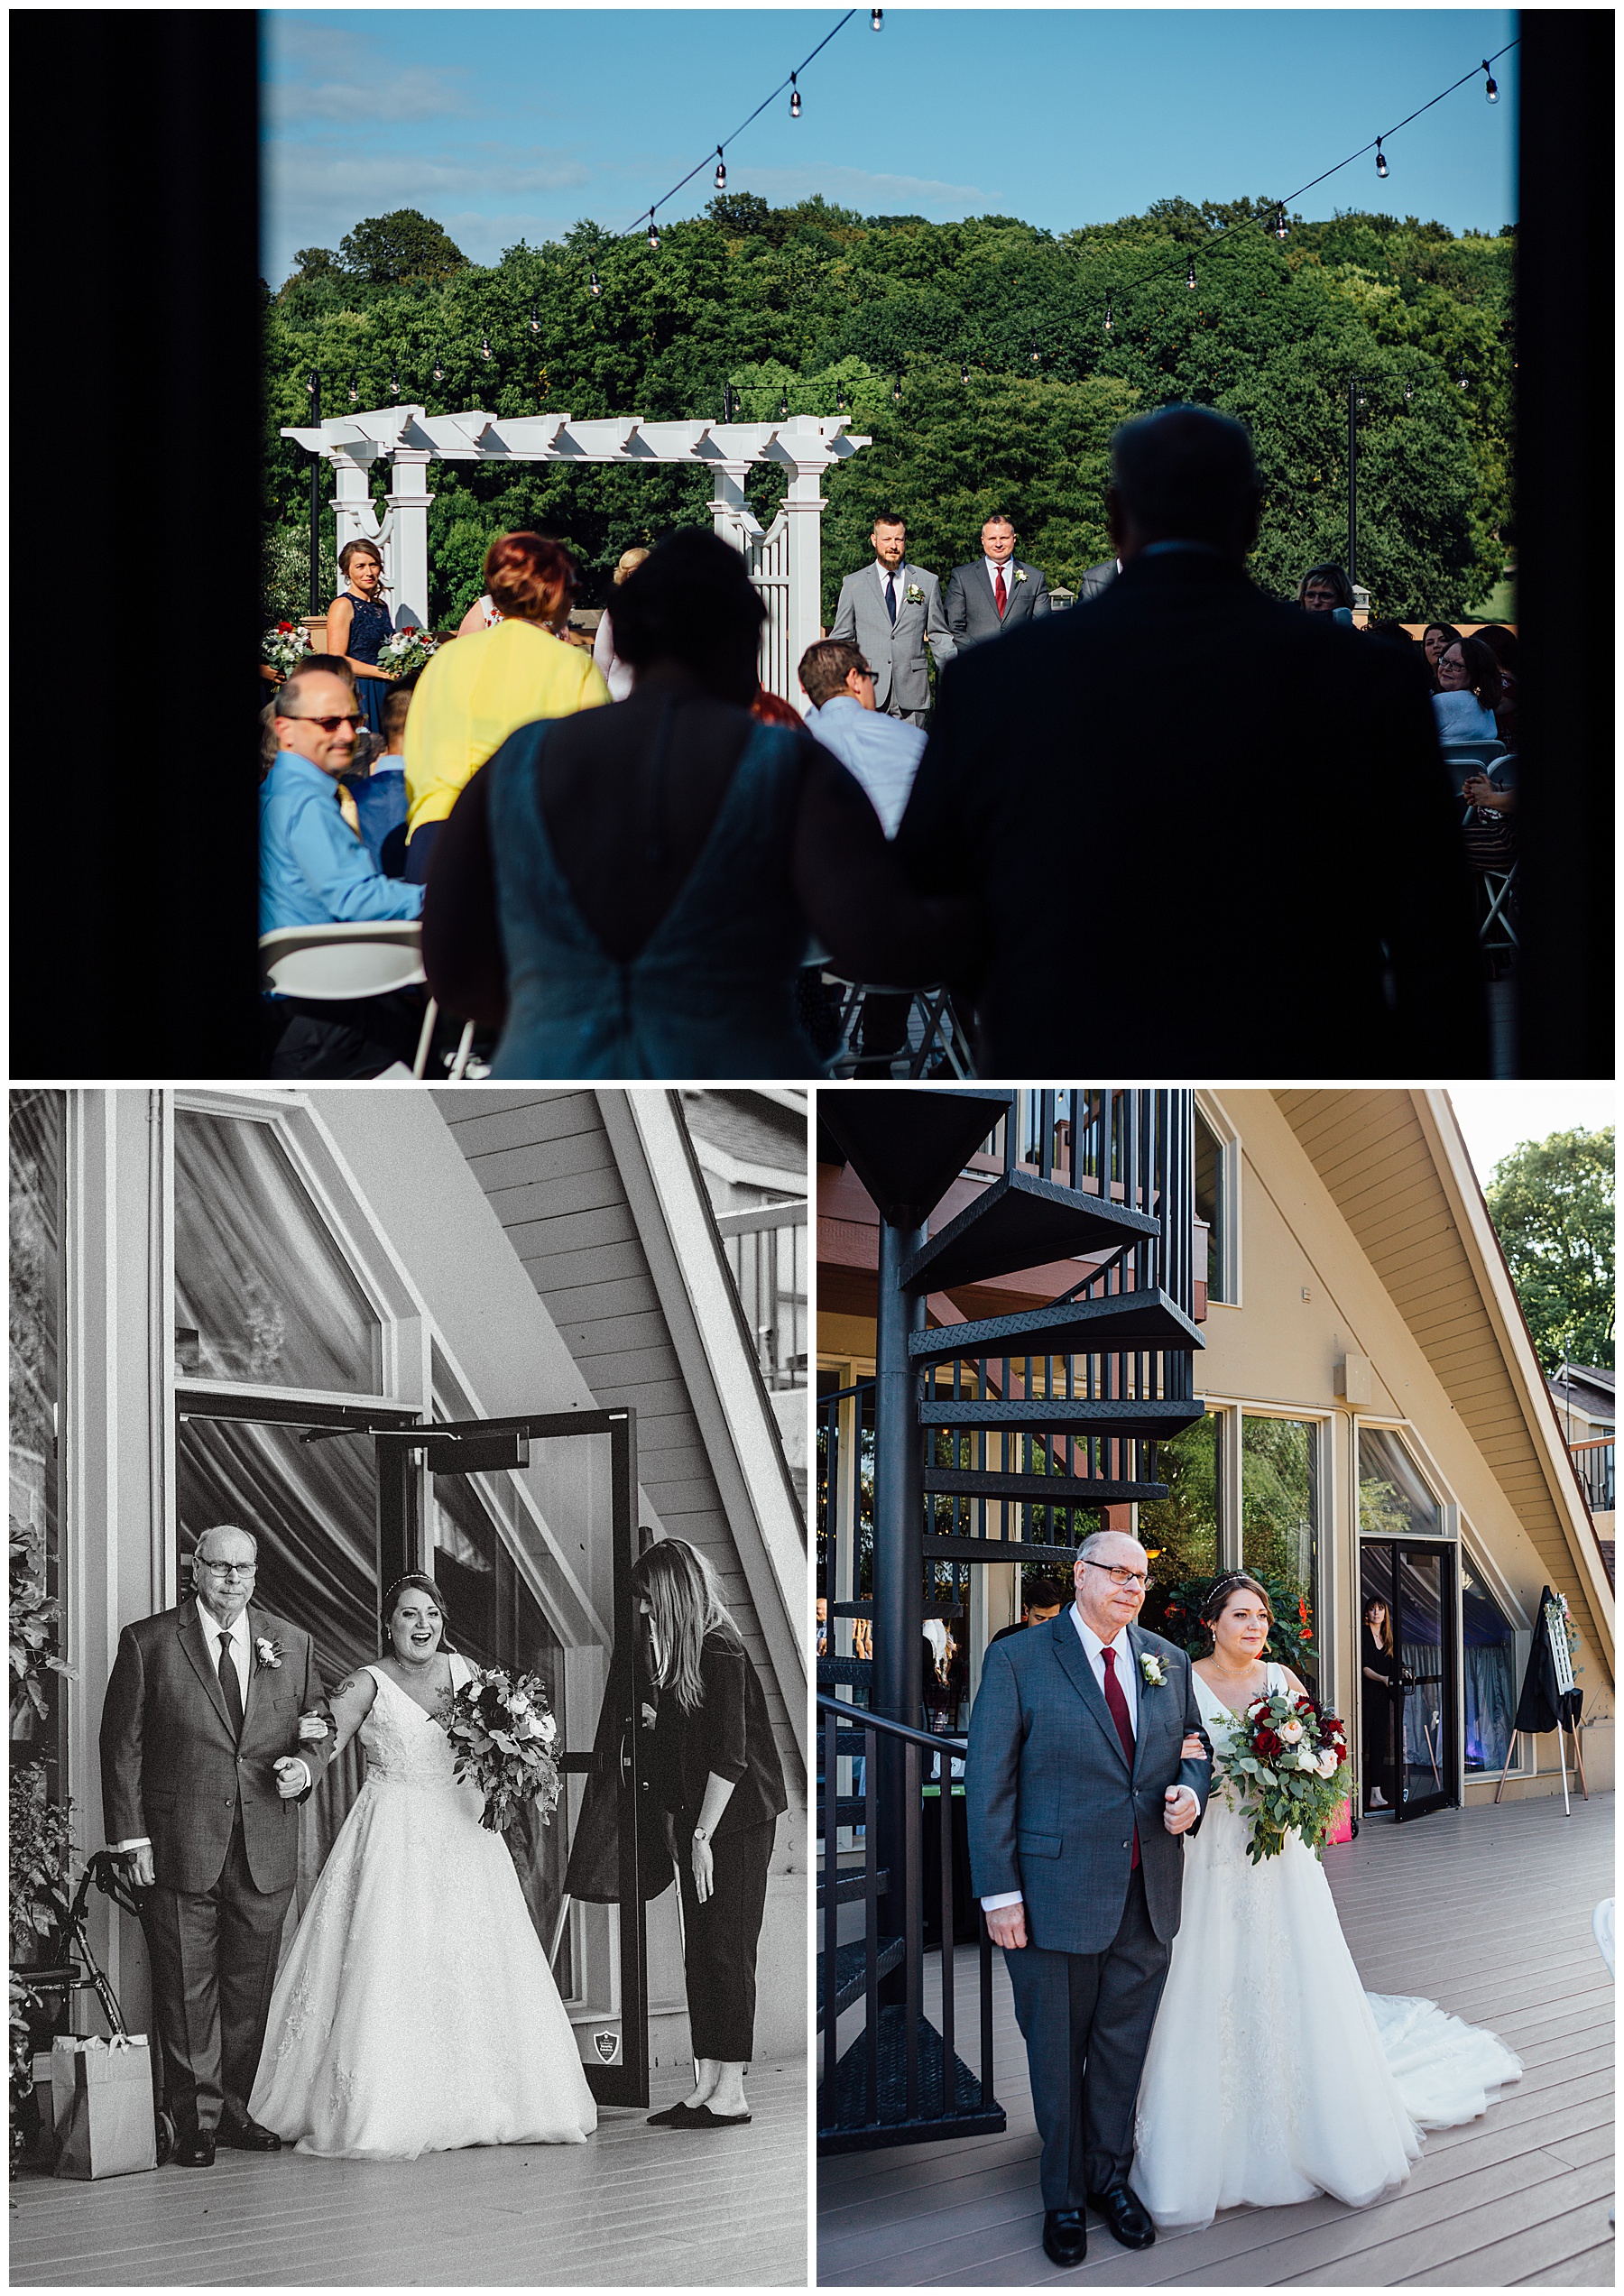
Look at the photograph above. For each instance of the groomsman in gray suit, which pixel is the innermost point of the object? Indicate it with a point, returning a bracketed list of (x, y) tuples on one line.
[(1087, 1760), (892, 611), (996, 591)]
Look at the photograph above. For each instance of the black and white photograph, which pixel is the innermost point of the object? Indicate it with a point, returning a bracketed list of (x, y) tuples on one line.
[(408, 1796)]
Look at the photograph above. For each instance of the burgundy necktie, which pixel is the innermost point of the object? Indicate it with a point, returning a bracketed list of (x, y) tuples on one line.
[(1118, 1704), (1002, 596)]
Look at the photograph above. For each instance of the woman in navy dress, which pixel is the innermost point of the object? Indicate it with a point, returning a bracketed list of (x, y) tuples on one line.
[(358, 621)]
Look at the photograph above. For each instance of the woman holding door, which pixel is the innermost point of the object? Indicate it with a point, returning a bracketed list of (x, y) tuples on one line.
[(717, 1772), (1381, 1674)]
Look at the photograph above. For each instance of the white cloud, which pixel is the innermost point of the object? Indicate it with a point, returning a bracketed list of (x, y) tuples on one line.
[(315, 192)]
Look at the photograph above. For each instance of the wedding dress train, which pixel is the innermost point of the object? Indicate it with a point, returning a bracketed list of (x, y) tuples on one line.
[(1271, 2074), (416, 2012)]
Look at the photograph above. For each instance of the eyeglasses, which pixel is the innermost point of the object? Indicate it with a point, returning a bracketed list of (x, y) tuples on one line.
[(348, 717), (224, 1570), (1118, 1576), (864, 671)]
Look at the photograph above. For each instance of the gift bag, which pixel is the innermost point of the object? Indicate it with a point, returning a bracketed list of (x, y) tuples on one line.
[(103, 2093), (1341, 1828)]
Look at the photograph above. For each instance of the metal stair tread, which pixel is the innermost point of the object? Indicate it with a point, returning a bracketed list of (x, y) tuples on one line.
[(908, 1147), (1021, 1222), (1152, 1417), (849, 1887), (844, 2093), (1130, 1320), (1039, 1491), (851, 1971)]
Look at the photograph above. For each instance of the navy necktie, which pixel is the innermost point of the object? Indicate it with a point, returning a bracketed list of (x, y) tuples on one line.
[(890, 598), (1118, 1703), (231, 1690)]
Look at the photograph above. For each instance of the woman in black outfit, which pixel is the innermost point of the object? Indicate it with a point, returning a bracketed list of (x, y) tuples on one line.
[(1381, 1674), (717, 1771)]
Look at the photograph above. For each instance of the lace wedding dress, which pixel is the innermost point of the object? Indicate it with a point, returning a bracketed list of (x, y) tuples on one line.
[(415, 2012), (1271, 2074)]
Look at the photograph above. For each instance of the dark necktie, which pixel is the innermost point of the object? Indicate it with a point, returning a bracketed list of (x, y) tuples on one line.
[(890, 598), (231, 1690), (1001, 596), (1118, 1703)]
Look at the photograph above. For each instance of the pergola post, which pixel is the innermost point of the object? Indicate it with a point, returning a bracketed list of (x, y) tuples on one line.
[(352, 513), (804, 505), (731, 515), (406, 552)]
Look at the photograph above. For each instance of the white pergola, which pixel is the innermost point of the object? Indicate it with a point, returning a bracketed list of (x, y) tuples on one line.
[(785, 561)]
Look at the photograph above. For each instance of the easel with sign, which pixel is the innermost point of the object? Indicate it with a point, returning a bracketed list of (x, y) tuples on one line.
[(1555, 1624)]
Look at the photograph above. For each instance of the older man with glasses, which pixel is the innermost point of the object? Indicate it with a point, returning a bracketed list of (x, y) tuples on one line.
[(315, 869), (203, 1770)]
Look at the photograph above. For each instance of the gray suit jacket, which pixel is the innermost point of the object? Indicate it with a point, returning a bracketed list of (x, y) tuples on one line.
[(1096, 578), (973, 610), (173, 1769), (896, 657), (1051, 1803)]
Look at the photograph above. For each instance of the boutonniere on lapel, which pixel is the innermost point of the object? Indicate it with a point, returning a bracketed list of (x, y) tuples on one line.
[(913, 595), (1021, 574), (1152, 1669), (268, 1653)]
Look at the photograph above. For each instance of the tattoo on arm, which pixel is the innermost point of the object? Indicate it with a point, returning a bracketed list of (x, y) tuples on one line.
[(350, 1681)]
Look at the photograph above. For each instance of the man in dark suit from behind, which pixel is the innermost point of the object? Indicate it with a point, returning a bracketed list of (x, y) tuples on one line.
[(202, 1774), (1210, 832)]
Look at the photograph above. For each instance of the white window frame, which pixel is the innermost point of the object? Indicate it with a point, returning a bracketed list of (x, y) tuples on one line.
[(1230, 1160)]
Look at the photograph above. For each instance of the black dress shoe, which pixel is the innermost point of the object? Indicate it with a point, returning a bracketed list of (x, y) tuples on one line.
[(249, 2136), (1065, 2235), (1127, 2218), (195, 2150)]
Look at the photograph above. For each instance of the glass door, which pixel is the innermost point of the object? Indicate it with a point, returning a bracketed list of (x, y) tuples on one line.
[(1408, 1731)]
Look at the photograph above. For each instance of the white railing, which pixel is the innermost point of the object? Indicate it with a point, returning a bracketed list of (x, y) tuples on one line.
[(766, 1249)]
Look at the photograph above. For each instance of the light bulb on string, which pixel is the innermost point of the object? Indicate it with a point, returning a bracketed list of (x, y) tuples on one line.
[(354, 391), (897, 390), (595, 285), (313, 383), (394, 390), (1037, 355), (1281, 228), (535, 321), (783, 406), (1410, 392), (795, 103), (1190, 273), (721, 170), (486, 351), (653, 235), (1381, 165), (963, 371), (1462, 379), (876, 18), (1109, 322), (439, 372), (840, 402), (1490, 89)]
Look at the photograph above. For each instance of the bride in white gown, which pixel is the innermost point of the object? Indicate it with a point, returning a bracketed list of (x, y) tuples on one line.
[(1272, 2075), (416, 2012)]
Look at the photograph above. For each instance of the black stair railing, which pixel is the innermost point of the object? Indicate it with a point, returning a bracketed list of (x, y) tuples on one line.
[(901, 2080)]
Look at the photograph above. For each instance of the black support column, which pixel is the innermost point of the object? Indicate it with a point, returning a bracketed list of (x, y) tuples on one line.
[(899, 1551)]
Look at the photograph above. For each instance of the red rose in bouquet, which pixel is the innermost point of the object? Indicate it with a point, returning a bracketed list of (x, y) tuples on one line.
[(1290, 1764)]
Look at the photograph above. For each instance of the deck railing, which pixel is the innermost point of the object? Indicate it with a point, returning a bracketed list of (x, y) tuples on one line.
[(1593, 1465), (766, 1249)]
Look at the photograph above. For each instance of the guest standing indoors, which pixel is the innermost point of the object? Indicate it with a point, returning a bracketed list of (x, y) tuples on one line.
[(718, 1772), (630, 892), (472, 694), (1381, 1674), (358, 622), (893, 611), (996, 591)]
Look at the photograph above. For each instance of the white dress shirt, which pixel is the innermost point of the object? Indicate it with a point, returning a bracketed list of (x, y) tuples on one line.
[(1127, 1674), (1007, 571), (242, 1659), (881, 753)]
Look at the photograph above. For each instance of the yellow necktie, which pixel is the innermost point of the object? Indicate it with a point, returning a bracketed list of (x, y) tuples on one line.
[(346, 807)]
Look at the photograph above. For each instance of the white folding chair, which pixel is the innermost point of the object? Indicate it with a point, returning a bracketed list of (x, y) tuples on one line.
[(331, 963), (942, 1033)]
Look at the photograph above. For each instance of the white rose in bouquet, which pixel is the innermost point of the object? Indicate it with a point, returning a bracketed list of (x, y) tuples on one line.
[(1289, 1732), (1308, 1760)]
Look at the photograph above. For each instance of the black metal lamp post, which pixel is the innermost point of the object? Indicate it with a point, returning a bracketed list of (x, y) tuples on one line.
[(898, 1521), (314, 387), (1355, 384)]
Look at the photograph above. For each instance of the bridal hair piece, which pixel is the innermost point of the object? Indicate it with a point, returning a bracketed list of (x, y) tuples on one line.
[(419, 1582), (685, 1604), (1218, 1593)]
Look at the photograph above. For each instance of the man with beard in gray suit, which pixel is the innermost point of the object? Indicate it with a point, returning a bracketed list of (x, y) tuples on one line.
[(891, 611), (1087, 1762), (996, 591)]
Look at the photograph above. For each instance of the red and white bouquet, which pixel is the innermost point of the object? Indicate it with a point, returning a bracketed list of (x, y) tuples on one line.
[(1288, 1762), (284, 646), (407, 652), (504, 1733)]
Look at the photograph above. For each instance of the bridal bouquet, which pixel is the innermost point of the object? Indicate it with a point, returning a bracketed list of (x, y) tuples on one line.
[(407, 652), (1290, 1764), (503, 1732), (284, 646)]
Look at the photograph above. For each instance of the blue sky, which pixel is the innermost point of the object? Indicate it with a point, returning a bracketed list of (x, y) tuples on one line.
[(509, 124)]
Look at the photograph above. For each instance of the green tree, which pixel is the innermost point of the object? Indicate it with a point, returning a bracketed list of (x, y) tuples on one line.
[(1552, 1204), (385, 250)]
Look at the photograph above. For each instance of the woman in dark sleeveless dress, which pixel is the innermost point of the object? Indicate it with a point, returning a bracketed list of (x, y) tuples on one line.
[(358, 621), (631, 891)]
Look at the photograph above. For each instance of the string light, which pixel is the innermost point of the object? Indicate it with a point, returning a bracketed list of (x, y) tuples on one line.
[(1490, 90), (653, 235), (486, 351), (1381, 165), (721, 170), (876, 18), (897, 390), (1281, 228), (1037, 355), (1190, 273), (313, 383), (840, 400), (354, 391), (783, 406), (1109, 322), (795, 102), (394, 390), (595, 285), (535, 321), (963, 371), (1410, 392), (439, 372)]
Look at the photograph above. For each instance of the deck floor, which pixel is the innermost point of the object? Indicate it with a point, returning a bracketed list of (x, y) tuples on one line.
[(634, 2207), (1487, 1911)]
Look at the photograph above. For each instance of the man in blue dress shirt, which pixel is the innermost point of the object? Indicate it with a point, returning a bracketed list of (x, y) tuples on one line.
[(314, 869)]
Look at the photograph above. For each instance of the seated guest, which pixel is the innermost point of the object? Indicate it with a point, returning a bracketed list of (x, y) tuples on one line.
[(1468, 691), (472, 694), (1433, 638), (617, 673), (380, 795), (882, 753), (481, 615), (1324, 588), (314, 869), (772, 709), (1501, 643), (631, 891), (1390, 633)]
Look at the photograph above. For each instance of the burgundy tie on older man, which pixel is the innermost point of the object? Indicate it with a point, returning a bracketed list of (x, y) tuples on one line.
[(1118, 1704)]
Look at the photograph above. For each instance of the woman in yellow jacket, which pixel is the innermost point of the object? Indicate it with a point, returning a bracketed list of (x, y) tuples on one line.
[(484, 687)]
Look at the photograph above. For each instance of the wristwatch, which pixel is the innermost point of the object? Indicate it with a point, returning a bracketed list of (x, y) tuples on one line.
[(701, 1834)]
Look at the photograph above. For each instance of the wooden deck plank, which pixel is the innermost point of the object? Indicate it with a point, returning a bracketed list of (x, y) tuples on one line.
[(1485, 1910)]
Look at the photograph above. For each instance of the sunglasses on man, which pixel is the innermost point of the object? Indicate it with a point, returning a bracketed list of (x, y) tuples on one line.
[(328, 724)]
